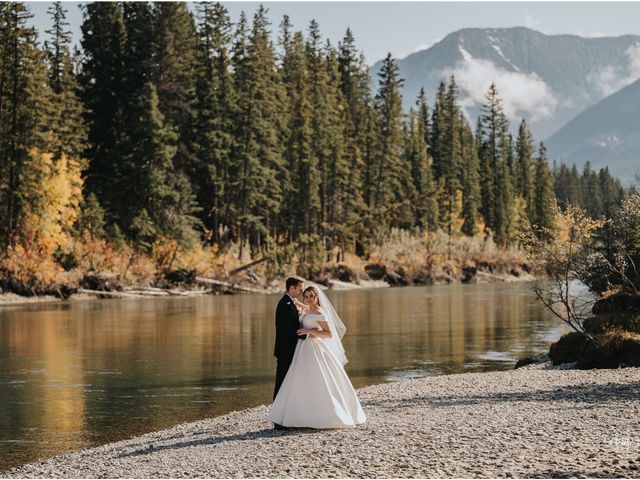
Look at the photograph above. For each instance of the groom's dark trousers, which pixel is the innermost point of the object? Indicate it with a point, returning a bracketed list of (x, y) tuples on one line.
[(287, 323)]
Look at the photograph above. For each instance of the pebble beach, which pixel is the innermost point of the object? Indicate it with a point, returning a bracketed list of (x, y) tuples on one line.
[(536, 421)]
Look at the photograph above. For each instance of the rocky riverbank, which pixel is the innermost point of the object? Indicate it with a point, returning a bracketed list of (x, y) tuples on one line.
[(536, 421)]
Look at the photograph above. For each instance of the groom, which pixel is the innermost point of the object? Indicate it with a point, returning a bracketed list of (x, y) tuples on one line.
[(287, 323)]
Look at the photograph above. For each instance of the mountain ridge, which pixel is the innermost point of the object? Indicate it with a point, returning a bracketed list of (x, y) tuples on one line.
[(547, 79)]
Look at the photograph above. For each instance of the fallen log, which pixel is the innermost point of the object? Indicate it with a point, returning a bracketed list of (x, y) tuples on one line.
[(248, 265), (166, 291), (110, 294), (229, 286), (148, 293)]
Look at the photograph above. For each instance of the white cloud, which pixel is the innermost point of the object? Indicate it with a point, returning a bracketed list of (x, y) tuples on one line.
[(523, 95), (592, 34), (422, 46), (530, 21), (612, 78)]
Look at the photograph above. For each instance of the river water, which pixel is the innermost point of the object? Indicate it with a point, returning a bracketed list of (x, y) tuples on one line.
[(85, 373)]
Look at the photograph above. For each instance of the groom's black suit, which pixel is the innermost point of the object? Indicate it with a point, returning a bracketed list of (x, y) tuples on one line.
[(287, 323)]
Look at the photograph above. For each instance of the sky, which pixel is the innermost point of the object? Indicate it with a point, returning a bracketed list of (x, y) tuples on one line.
[(401, 28)]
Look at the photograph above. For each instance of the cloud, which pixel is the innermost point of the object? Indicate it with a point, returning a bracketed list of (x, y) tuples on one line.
[(612, 78), (523, 95), (530, 21), (422, 46), (592, 34)]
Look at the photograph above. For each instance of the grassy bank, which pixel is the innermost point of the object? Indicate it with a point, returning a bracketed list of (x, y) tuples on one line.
[(97, 267)]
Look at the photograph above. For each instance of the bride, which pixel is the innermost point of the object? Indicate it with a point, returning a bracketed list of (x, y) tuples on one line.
[(316, 392)]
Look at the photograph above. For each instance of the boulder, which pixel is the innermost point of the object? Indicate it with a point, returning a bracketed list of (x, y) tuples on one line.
[(376, 271), (568, 348)]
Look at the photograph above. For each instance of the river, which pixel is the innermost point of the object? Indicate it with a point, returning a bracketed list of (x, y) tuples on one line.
[(84, 373)]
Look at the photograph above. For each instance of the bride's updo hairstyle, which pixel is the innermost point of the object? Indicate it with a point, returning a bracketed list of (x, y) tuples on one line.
[(312, 289)]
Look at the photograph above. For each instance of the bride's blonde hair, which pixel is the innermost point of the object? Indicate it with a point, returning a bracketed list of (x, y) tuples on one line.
[(312, 289)]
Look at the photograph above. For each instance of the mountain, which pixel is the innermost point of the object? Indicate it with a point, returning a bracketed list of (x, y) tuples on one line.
[(547, 79), (608, 133)]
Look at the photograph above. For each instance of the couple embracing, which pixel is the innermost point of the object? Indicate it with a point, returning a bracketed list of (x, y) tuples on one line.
[(312, 388)]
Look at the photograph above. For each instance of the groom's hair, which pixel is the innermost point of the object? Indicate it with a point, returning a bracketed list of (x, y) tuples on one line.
[(293, 281)]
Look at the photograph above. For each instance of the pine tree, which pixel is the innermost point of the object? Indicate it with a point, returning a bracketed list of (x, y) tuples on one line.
[(91, 218), (159, 196), (356, 99), (524, 154), (450, 154), (438, 128), (504, 184), (138, 54), (25, 115), (591, 192), (495, 172), (102, 81), (470, 181), (612, 192), (301, 158), (67, 125), (214, 111), (337, 162), (391, 187), (544, 198), (260, 132), (421, 166), (174, 74), (322, 116)]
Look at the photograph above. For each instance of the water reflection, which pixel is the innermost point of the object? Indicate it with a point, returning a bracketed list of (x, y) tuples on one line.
[(82, 374)]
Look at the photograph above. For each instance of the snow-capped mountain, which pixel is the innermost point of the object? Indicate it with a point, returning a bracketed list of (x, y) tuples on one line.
[(547, 79)]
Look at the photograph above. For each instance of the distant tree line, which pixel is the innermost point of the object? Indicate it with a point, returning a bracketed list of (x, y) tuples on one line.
[(168, 124)]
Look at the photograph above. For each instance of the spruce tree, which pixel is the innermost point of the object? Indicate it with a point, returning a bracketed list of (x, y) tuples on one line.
[(391, 187), (612, 192), (523, 174), (592, 194), (321, 118), (214, 118), (337, 169), (102, 82), (470, 181), (260, 132), (421, 166), (544, 198), (302, 162), (495, 173), (356, 99), (174, 74), (67, 126), (160, 202), (450, 155), (438, 130), (25, 116)]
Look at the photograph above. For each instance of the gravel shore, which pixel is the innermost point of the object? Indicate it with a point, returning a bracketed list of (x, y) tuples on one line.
[(531, 422)]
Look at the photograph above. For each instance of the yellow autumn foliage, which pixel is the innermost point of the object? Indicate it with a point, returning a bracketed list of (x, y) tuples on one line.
[(52, 190)]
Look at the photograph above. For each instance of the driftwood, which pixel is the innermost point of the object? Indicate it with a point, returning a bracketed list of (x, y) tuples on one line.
[(492, 276), (155, 291), (248, 265), (110, 294), (138, 292), (226, 285)]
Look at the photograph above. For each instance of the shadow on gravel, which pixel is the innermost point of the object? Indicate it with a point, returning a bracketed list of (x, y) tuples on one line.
[(585, 393), (254, 435), (553, 473)]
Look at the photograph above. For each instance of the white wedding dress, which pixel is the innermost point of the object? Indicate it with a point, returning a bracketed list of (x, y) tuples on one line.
[(316, 392)]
